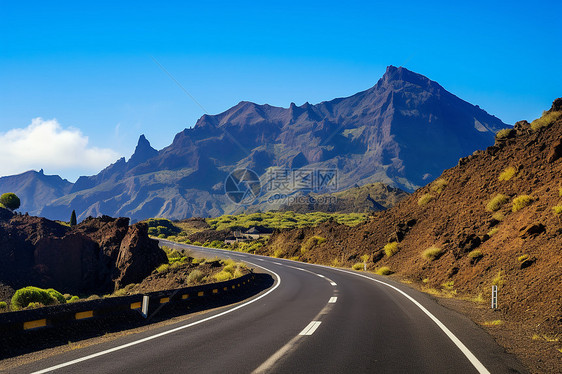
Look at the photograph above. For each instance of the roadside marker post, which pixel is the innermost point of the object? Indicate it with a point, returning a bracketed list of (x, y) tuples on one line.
[(144, 310), (494, 297)]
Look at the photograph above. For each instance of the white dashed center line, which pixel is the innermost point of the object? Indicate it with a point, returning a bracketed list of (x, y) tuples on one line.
[(333, 299), (309, 330)]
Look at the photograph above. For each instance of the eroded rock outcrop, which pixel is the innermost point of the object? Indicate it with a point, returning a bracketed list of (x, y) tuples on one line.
[(94, 256)]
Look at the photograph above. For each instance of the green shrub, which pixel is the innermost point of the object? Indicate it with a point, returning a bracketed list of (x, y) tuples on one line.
[(493, 231), (498, 216), (10, 200), (3, 305), (475, 254), (358, 266), (547, 119), (311, 242), (521, 202), (499, 279), (164, 268), (424, 199), (57, 295), (507, 174), (557, 209), (384, 270), (496, 202), (195, 276), (504, 133), (432, 253), (197, 243), (391, 249), (522, 257), (26, 295), (560, 192), (438, 185), (223, 276), (74, 299)]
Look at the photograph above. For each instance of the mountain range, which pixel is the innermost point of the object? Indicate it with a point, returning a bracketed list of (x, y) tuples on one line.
[(403, 132)]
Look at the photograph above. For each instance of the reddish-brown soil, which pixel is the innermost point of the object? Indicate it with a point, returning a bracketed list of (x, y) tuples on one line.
[(457, 222)]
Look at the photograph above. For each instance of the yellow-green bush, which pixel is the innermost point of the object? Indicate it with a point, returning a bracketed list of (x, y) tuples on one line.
[(391, 249), (164, 268), (384, 270), (504, 133), (223, 276), (24, 296), (438, 185), (499, 279), (547, 119), (493, 231), (195, 276), (557, 209), (424, 199), (521, 202), (498, 216), (311, 242), (432, 253), (358, 266), (475, 254), (496, 202), (507, 174), (522, 257)]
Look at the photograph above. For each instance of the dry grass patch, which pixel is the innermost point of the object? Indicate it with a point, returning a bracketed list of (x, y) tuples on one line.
[(438, 185), (507, 174), (504, 133), (391, 249), (546, 120), (493, 231), (385, 270), (496, 322), (496, 202), (521, 202), (424, 199), (432, 253)]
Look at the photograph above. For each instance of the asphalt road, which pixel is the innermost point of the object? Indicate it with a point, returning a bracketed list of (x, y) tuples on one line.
[(313, 319)]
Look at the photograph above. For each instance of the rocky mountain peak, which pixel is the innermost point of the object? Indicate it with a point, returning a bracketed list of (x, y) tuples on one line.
[(143, 152)]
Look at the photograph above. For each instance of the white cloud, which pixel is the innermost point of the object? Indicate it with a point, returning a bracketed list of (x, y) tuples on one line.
[(46, 144)]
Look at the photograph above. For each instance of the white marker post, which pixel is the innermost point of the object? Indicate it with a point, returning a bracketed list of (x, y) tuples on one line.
[(144, 310), (494, 297)]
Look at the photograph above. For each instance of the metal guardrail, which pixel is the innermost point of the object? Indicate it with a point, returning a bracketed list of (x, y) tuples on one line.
[(57, 315)]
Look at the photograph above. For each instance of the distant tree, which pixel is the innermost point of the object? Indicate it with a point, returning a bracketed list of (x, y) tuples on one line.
[(73, 218), (10, 201)]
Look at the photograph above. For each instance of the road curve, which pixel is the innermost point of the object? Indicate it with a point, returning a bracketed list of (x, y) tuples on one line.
[(314, 319)]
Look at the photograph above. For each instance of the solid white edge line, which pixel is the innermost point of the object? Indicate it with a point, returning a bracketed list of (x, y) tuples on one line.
[(85, 358), (469, 355)]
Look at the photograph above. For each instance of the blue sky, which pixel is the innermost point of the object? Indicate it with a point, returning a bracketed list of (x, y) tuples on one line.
[(87, 70)]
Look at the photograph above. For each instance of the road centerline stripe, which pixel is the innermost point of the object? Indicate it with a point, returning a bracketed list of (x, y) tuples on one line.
[(309, 330), (333, 299)]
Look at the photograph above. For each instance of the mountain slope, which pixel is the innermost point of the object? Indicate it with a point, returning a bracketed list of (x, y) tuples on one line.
[(368, 198), (35, 189), (513, 241), (403, 132)]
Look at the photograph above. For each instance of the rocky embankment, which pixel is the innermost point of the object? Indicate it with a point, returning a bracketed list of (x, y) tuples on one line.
[(96, 256)]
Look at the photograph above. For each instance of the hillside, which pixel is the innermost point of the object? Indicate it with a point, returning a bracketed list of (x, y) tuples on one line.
[(404, 131), (372, 197), (479, 239), (35, 189)]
